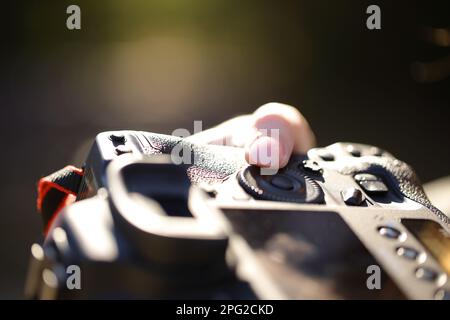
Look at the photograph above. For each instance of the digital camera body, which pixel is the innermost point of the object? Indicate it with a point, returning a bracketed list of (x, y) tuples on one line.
[(348, 221)]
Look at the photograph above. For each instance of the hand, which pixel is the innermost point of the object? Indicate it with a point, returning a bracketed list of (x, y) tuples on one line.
[(270, 135)]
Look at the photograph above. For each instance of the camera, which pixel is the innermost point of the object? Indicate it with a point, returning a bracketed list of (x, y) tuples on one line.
[(347, 221)]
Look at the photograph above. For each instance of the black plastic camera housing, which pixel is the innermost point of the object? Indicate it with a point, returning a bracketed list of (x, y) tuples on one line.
[(147, 226)]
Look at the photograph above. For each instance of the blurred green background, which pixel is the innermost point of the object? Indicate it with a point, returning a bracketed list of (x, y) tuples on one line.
[(159, 65)]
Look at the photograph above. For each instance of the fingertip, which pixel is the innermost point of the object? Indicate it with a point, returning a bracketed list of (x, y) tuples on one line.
[(294, 128), (267, 152)]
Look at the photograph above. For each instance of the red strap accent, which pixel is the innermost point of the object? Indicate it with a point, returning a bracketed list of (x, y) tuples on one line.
[(57, 191)]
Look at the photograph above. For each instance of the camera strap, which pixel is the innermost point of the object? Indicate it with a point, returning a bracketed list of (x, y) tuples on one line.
[(56, 191)]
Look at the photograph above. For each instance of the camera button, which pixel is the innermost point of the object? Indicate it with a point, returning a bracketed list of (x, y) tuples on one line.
[(118, 138), (371, 183), (122, 150), (325, 155), (425, 273), (442, 294), (282, 182), (311, 167), (352, 197), (375, 151), (354, 151), (389, 232), (286, 186), (408, 253)]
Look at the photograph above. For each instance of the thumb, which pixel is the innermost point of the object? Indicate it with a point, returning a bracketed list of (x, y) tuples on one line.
[(278, 130)]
